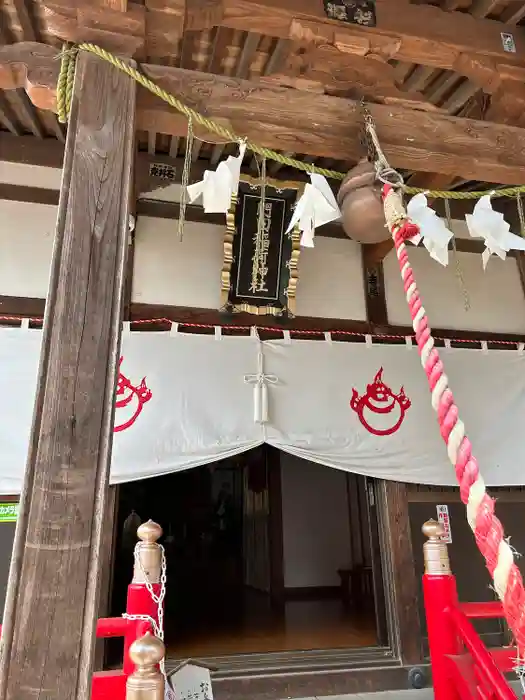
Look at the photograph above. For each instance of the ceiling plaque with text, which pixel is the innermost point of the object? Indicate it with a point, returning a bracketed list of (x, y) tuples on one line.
[(361, 12)]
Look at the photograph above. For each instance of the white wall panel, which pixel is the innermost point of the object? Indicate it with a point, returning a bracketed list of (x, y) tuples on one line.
[(496, 298), (331, 280), (180, 273), (187, 273), (30, 175), (316, 523), (26, 246)]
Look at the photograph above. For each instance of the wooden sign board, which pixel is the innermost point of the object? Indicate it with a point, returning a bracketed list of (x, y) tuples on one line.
[(191, 681), (361, 12), (260, 258)]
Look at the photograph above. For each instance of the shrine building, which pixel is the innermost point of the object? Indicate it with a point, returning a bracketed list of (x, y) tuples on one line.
[(204, 322)]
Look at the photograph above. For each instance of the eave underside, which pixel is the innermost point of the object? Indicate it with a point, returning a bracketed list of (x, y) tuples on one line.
[(170, 40)]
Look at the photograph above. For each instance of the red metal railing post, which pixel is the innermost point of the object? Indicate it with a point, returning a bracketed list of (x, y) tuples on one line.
[(440, 594), (146, 573)]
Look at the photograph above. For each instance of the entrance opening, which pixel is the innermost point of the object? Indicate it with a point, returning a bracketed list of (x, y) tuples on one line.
[(265, 553)]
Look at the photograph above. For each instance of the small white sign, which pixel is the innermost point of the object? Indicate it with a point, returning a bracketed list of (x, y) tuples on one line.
[(444, 519), (508, 43)]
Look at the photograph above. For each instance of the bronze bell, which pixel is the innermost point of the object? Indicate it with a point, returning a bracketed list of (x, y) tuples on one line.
[(359, 199)]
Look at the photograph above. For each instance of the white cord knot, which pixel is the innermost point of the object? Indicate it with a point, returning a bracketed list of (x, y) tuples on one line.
[(260, 382)]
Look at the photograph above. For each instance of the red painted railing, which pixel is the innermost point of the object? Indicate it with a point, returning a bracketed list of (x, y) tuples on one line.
[(111, 685), (462, 666)]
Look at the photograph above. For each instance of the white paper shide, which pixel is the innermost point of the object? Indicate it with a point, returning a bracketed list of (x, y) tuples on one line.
[(217, 186), (433, 231), (490, 225), (316, 207)]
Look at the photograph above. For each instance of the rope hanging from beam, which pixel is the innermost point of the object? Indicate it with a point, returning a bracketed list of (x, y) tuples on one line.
[(65, 94), (486, 526)]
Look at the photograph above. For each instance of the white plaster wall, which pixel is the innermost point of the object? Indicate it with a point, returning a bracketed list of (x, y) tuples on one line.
[(182, 273), (496, 298), (30, 175), (316, 525), (26, 246), (331, 280), (187, 273)]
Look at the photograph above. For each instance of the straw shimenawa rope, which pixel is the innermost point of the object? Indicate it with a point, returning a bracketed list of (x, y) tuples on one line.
[(65, 91)]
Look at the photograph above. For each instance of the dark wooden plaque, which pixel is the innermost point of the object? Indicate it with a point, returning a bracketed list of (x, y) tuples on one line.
[(354, 11), (260, 268)]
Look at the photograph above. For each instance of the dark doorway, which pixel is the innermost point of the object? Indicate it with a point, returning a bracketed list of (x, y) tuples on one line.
[(246, 571)]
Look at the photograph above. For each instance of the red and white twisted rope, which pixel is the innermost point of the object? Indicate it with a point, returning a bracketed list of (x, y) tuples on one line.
[(481, 517)]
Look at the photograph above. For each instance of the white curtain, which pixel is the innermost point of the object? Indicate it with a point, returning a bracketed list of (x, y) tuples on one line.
[(197, 407), (312, 417)]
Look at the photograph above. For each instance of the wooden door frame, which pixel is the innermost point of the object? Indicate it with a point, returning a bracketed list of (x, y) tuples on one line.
[(108, 554), (399, 574), (275, 525), (376, 555)]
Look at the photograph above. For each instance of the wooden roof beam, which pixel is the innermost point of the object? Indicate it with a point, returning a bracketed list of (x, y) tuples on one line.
[(483, 8), (514, 13), (292, 120), (416, 33)]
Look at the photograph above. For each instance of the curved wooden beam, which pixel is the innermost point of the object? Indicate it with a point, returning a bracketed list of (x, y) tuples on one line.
[(33, 67), (120, 29), (295, 120)]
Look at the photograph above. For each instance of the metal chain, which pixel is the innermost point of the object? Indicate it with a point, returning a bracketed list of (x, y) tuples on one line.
[(158, 624), (384, 172), (521, 214), (458, 269), (186, 169), (364, 136)]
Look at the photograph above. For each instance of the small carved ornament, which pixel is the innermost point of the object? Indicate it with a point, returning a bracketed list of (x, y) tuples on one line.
[(359, 199)]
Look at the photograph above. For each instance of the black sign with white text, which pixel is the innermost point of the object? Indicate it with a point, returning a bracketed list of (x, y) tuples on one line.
[(260, 271)]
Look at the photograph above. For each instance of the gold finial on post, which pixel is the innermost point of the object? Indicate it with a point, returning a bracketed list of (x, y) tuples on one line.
[(148, 558), (146, 682), (435, 551)]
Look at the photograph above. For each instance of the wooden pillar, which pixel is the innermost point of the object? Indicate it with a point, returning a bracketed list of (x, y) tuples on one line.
[(49, 632), (402, 593)]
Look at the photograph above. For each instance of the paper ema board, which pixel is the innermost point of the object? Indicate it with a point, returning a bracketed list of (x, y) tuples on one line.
[(8, 512), (444, 519), (191, 682)]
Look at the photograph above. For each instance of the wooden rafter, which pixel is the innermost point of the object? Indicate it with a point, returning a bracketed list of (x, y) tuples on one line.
[(414, 33), (483, 8), (514, 13), (30, 32), (7, 118), (290, 120), (417, 33)]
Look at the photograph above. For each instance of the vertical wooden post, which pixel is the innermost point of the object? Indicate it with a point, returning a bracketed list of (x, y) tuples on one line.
[(405, 631), (374, 283), (49, 632)]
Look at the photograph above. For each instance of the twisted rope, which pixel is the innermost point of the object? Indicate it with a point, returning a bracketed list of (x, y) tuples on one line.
[(66, 79), (65, 91), (487, 528)]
